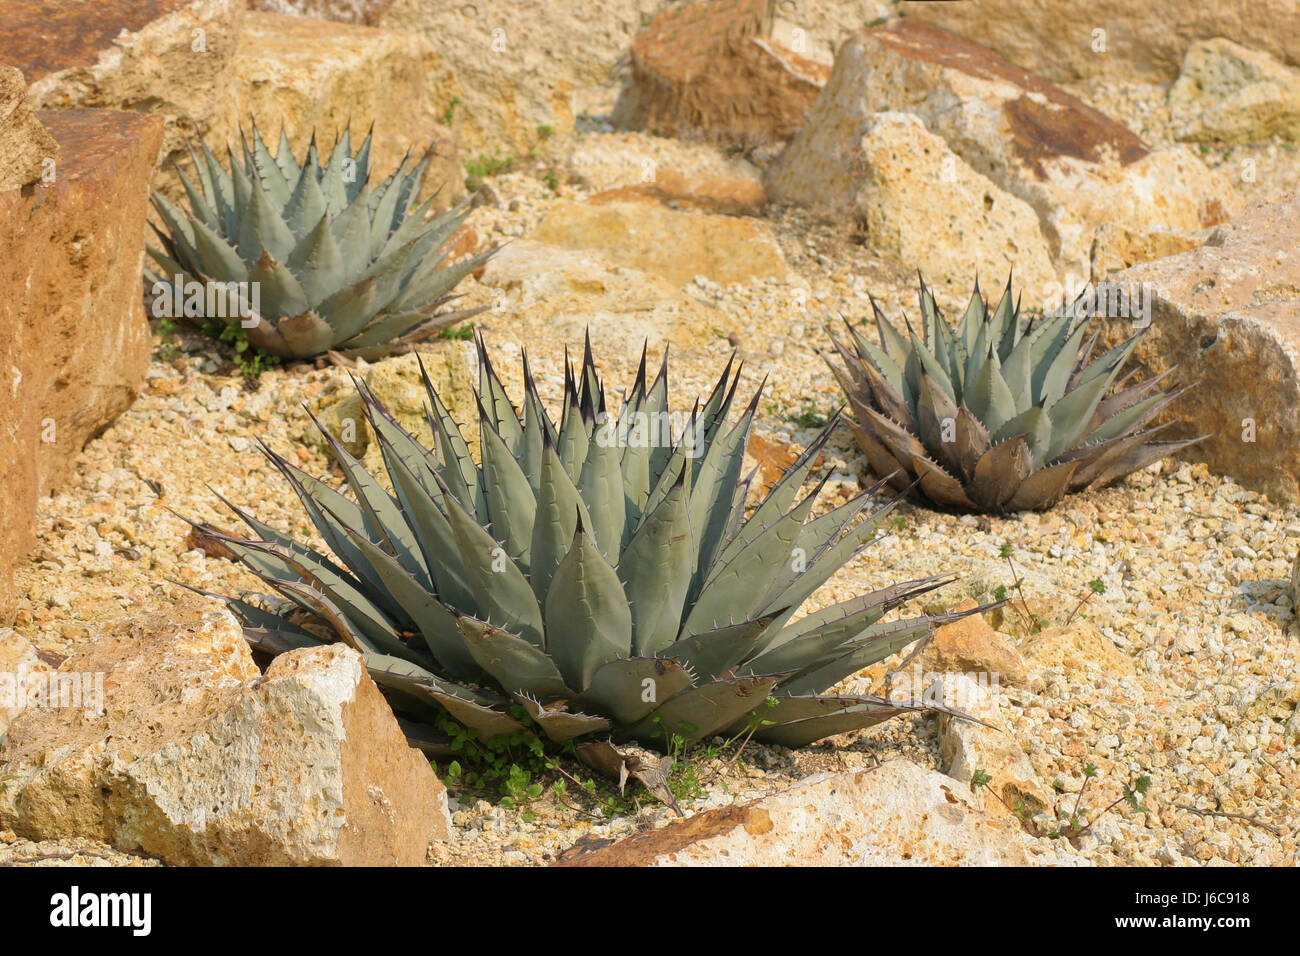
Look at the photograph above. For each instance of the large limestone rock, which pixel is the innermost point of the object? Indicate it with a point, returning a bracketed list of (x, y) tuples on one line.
[(576, 290), (897, 814), (197, 758), (712, 68), (74, 342), (25, 144), (1228, 315), (316, 76), (1146, 41), (676, 245), (510, 71), (22, 675), (1231, 94), (968, 748), (923, 203), (170, 57), (1075, 167)]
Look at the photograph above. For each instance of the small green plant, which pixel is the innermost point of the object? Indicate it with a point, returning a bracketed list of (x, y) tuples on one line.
[(449, 114), (552, 181), (1077, 824), (546, 131), (250, 362), (459, 333), (484, 165), (1033, 622)]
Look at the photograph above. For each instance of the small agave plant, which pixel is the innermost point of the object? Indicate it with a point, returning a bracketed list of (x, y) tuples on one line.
[(338, 266), (995, 414), (587, 575)]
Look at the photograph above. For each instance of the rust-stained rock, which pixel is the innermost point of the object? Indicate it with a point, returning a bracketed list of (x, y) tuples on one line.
[(169, 57), (197, 758), (1065, 40), (74, 343), (1076, 168), (897, 814), (723, 194), (711, 68), (1227, 314), (26, 146)]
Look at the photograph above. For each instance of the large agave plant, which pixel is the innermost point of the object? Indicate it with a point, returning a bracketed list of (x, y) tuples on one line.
[(603, 580), (339, 266), (997, 414)]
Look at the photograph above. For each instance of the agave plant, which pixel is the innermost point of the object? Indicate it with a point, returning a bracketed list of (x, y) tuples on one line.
[(600, 578), (996, 414), (337, 266)]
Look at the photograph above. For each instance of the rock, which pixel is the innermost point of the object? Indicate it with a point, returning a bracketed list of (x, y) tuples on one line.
[(897, 814), (1074, 166), (397, 382), (967, 747), (1116, 247), (1230, 94), (314, 76), (1225, 314), (673, 244), (74, 343), (772, 457), (925, 205), (711, 68), (1114, 38), (200, 759), (689, 175), (340, 11), (816, 29), (1077, 649), (721, 194), (573, 290), (174, 58), (21, 672), (24, 142), (509, 75), (970, 646)]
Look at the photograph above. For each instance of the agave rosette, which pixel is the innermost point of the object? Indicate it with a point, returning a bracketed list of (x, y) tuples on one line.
[(339, 266), (606, 583), (996, 414)]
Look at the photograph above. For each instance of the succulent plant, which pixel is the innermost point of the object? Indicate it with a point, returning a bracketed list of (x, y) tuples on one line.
[(995, 414), (338, 266), (599, 573)]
